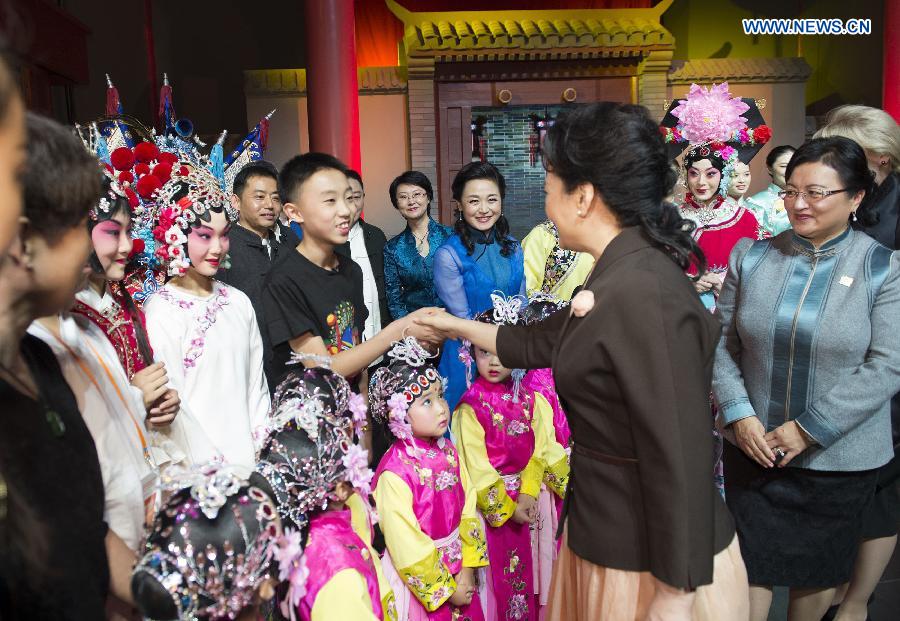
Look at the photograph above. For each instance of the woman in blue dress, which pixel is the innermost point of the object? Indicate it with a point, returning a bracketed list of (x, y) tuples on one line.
[(480, 258), (409, 257)]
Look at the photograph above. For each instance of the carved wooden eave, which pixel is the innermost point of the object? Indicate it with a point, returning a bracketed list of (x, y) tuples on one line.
[(475, 36), (738, 70), (292, 82)]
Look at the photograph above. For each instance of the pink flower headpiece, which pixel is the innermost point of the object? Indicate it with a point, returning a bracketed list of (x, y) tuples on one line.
[(710, 114)]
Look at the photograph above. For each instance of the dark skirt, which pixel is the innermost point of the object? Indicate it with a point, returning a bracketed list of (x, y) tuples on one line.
[(882, 516), (797, 528)]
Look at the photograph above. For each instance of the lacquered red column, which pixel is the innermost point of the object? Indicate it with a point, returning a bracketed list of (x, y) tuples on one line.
[(891, 68), (331, 84)]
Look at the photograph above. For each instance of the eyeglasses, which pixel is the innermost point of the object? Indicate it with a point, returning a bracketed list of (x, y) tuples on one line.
[(415, 196), (812, 196)]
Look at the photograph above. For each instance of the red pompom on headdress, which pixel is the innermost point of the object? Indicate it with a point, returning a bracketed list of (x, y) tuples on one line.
[(122, 158), (147, 185), (162, 172), (168, 158), (146, 152), (125, 177), (141, 169)]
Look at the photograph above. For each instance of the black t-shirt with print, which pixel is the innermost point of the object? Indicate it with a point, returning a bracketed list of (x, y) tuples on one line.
[(299, 296)]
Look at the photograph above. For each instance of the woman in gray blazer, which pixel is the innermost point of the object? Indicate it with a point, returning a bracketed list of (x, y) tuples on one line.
[(808, 361)]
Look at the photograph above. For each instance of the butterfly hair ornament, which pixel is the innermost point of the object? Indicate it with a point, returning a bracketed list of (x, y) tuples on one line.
[(505, 311)]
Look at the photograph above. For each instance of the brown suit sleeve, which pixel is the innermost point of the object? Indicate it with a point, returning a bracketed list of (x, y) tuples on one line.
[(660, 346), (531, 347)]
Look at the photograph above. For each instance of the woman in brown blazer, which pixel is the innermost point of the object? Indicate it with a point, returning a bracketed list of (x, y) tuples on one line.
[(647, 534)]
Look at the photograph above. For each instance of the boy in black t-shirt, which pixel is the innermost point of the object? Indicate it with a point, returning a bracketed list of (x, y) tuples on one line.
[(313, 298)]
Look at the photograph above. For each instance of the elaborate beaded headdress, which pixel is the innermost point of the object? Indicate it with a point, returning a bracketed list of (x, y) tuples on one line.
[(395, 386), (188, 197), (143, 160), (540, 306), (310, 448), (208, 549)]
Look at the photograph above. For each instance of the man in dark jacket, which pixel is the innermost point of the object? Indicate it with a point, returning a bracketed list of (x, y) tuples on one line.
[(254, 243), (366, 246)]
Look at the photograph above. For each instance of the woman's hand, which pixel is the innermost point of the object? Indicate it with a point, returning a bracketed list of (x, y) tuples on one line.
[(438, 322), (710, 281), (422, 331), (670, 604), (465, 588), (165, 410), (751, 438), (151, 381), (790, 439), (525, 509)]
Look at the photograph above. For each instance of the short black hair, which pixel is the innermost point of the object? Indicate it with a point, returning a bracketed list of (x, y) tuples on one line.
[(777, 152), (352, 174), (411, 177), (848, 160), (62, 179), (259, 168), (300, 168)]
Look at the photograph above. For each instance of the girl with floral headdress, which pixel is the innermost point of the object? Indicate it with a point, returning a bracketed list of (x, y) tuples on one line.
[(314, 471), (425, 499), (504, 440), (206, 331), (711, 122)]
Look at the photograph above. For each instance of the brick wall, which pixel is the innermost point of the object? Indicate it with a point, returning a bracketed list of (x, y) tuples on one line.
[(507, 133)]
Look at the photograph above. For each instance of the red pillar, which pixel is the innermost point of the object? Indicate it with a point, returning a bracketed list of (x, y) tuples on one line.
[(331, 85), (891, 70)]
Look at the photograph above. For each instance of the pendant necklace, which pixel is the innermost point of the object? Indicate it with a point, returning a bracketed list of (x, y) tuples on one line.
[(54, 421)]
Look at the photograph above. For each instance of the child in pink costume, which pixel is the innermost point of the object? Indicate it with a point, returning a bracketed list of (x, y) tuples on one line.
[(425, 500), (504, 435)]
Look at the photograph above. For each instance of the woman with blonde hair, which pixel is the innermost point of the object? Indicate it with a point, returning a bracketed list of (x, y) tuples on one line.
[(879, 135)]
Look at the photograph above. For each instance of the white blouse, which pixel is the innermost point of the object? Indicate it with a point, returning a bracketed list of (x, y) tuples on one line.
[(213, 353), (114, 413)]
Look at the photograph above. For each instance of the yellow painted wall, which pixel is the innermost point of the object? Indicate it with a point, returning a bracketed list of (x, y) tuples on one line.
[(846, 69)]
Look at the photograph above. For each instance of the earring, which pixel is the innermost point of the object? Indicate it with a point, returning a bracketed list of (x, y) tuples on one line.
[(854, 217)]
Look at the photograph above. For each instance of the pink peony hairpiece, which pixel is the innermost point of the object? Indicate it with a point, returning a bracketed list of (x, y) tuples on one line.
[(710, 114)]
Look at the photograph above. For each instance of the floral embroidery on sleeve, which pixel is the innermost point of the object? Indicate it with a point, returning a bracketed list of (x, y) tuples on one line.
[(495, 504), (429, 580), (474, 545), (389, 607)]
